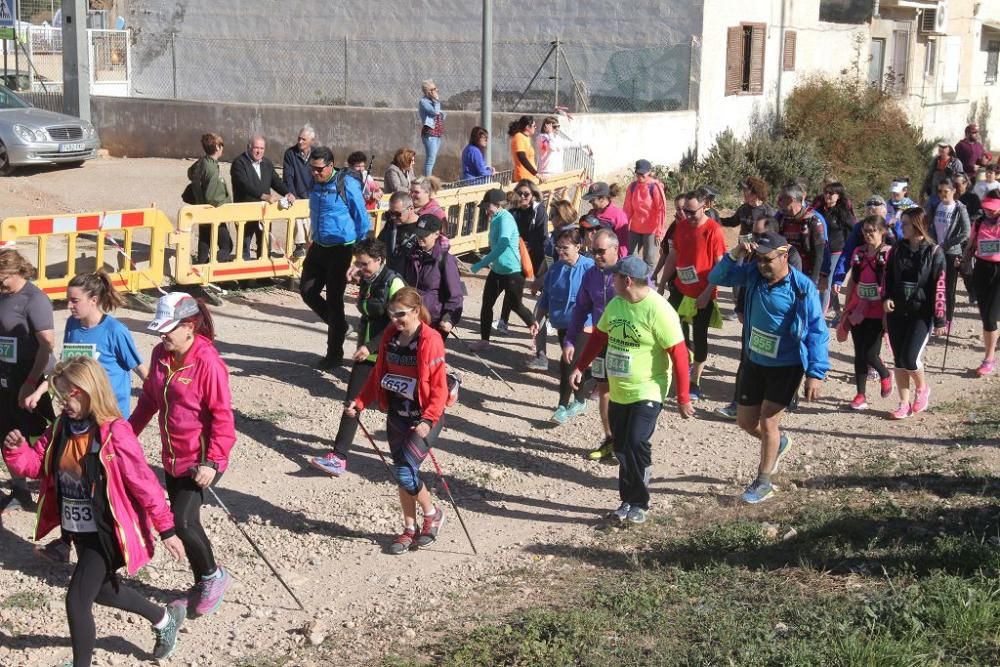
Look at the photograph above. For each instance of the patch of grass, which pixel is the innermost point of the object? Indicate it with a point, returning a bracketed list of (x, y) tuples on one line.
[(24, 600)]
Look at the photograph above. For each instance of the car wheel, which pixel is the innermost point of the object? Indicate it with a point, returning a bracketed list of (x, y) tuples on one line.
[(6, 168)]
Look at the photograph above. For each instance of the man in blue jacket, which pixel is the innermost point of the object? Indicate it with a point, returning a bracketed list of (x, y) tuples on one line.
[(338, 216), (298, 179), (785, 336)]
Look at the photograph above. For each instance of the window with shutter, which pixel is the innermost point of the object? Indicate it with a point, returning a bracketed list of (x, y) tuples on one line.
[(745, 59), (788, 52), (757, 59), (734, 60)]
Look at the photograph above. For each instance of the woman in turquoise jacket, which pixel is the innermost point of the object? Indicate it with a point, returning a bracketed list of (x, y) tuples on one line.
[(562, 282), (504, 260)]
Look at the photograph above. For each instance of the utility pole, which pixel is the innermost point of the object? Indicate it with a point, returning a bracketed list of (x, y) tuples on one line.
[(486, 85), (76, 59)]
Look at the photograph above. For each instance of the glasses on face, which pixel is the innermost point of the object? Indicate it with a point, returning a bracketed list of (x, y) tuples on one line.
[(762, 259), (690, 212), (400, 314), (870, 232), (599, 251), (524, 194), (556, 126), (566, 248), (318, 170)]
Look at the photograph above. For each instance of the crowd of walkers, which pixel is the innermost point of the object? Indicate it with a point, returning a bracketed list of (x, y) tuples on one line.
[(630, 297)]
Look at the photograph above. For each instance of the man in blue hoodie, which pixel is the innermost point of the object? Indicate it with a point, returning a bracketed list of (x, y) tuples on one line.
[(338, 216)]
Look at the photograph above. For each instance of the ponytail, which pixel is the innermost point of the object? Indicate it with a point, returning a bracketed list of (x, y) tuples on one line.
[(98, 285)]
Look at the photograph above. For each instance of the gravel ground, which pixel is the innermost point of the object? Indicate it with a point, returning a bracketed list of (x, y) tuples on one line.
[(520, 480)]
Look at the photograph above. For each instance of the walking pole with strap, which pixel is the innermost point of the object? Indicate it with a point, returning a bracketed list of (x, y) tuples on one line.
[(481, 360), (255, 547), (377, 450), (947, 342)]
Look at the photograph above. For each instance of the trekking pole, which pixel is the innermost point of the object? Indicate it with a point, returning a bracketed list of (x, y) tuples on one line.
[(377, 450), (255, 547), (947, 341), (481, 360), (451, 499)]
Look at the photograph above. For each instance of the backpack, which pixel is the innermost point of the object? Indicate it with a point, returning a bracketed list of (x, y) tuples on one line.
[(881, 259), (188, 195)]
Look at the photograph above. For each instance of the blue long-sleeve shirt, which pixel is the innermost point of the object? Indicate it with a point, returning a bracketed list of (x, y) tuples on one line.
[(562, 285), (474, 163)]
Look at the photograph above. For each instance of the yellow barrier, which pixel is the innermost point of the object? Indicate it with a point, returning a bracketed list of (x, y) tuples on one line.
[(39, 238), (279, 230)]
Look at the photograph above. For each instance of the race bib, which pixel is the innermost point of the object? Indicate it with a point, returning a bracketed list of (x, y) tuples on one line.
[(688, 275), (71, 350), (597, 369), (618, 364), (868, 292), (763, 343), (8, 349), (400, 384), (78, 515), (989, 247), (908, 290)]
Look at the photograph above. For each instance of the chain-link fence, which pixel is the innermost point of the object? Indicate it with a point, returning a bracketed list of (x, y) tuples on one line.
[(530, 77)]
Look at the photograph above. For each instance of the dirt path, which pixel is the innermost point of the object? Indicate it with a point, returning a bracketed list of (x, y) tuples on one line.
[(520, 480)]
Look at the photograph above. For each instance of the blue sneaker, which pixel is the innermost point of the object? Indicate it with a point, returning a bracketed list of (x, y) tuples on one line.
[(727, 411), (695, 393), (758, 492), (784, 444), (166, 638), (561, 415), (576, 408), (332, 464)]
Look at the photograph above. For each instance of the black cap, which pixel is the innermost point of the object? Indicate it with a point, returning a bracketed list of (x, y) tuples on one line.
[(598, 189), (427, 224), (643, 167), (769, 242), (494, 196)]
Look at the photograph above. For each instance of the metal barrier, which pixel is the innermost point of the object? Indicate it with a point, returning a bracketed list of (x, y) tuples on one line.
[(135, 237), (272, 262)]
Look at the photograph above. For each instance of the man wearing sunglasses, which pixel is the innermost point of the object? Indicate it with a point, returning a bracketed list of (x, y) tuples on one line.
[(339, 219), (784, 336)]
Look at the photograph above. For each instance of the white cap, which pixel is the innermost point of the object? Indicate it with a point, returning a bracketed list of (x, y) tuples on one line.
[(171, 309), (898, 187)]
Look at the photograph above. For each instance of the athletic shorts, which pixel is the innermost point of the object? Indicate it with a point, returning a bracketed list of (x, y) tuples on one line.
[(777, 384), (597, 368)]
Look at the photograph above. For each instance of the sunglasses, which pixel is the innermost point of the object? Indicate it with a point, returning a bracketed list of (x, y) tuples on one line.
[(689, 212), (318, 170), (599, 251), (565, 248), (399, 314), (769, 260), (524, 193)]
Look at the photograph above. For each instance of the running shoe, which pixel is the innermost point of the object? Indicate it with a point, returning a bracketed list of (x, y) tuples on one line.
[(636, 515), (576, 408), (537, 362), (604, 452), (923, 399), (885, 386), (211, 592), (695, 393), (479, 345), (859, 403), (404, 542), (986, 368), (166, 639), (500, 327), (621, 514), (300, 251), (727, 411), (784, 446), (331, 464), (758, 492), (432, 524), (902, 412), (560, 416)]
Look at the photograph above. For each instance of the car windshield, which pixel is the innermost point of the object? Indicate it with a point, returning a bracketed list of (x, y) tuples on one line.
[(8, 100)]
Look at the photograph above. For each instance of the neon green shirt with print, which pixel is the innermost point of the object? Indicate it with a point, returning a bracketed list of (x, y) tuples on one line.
[(638, 368)]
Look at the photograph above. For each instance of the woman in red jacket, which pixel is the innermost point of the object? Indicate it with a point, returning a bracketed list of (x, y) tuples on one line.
[(188, 385), (410, 385), (97, 487)]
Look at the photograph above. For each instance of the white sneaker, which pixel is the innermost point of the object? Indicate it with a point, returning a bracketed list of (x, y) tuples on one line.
[(500, 327), (621, 513)]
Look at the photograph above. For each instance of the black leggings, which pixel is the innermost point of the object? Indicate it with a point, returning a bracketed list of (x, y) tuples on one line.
[(867, 337), (565, 370), (349, 426), (700, 327), (951, 285), (986, 283), (92, 582), (512, 287), (186, 499), (908, 337)]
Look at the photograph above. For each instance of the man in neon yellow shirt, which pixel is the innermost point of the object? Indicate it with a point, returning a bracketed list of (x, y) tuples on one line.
[(640, 330)]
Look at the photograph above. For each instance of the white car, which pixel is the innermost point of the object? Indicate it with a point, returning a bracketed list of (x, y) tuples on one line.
[(30, 136)]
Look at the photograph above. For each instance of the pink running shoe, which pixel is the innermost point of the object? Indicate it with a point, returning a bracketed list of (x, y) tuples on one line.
[(886, 387), (859, 403), (902, 412), (923, 398), (211, 592), (986, 368)]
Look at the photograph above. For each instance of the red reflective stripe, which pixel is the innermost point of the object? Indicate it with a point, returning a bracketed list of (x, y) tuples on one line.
[(88, 223), (61, 289), (250, 269), (134, 219), (40, 226)]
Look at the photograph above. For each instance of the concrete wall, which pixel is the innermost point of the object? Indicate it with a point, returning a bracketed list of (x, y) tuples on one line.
[(171, 128)]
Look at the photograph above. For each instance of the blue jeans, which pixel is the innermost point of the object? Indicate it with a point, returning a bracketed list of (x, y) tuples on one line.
[(431, 146)]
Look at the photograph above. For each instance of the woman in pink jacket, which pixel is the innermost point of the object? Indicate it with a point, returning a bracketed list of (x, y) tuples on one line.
[(97, 486), (188, 385)]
